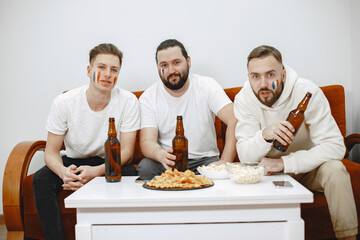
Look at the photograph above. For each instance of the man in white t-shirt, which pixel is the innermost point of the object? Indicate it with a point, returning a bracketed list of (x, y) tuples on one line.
[(314, 154), (79, 118), (197, 99)]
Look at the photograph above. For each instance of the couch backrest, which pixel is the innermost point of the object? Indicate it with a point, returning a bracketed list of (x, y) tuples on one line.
[(334, 93)]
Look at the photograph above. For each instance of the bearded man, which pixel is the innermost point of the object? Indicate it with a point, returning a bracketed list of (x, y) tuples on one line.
[(313, 157), (197, 99)]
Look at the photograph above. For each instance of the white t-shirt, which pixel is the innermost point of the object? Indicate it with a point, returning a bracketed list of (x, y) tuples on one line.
[(85, 130), (198, 106)]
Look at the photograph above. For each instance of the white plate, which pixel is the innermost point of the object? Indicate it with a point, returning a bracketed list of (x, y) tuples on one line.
[(214, 174)]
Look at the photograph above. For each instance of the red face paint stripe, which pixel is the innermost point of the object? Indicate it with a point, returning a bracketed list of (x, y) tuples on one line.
[(98, 77), (115, 78)]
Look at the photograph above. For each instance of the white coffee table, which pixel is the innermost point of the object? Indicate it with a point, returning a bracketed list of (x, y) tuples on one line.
[(226, 210)]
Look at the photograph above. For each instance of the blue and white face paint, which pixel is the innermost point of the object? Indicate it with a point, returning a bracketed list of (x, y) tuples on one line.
[(275, 84)]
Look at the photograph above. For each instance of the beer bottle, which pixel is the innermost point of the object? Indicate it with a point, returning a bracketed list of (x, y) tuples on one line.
[(180, 147), (112, 155), (296, 117)]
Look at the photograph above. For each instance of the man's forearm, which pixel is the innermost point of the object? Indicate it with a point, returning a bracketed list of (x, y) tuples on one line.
[(252, 149), (54, 162), (151, 150), (229, 152), (126, 156)]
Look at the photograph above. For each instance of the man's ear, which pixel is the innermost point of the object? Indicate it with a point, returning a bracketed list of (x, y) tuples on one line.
[(88, 71), (189, 61), (284, 74)]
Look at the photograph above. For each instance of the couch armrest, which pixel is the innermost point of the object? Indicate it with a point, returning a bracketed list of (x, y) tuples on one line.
[(15, 171), (351, 140)]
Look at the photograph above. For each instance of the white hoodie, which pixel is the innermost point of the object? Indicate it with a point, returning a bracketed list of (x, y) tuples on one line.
[(318, 139)]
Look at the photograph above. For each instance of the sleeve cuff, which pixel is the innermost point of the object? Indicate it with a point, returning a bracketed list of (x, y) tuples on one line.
[(261, 142)]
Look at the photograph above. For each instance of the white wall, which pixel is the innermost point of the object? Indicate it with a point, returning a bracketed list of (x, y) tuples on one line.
[(44, 47), (354, 98)]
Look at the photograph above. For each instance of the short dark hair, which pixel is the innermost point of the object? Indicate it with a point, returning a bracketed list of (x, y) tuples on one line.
[(171, 43), (264, 51), (106, 48)]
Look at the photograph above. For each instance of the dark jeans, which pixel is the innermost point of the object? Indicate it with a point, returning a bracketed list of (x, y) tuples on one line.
[(46, 184)]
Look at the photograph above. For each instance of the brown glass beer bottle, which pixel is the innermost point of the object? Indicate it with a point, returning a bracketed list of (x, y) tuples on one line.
[(180, 147), (296, 117), (112, 155)]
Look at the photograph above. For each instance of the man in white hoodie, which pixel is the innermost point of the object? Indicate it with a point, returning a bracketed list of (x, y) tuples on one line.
[(313, 158)]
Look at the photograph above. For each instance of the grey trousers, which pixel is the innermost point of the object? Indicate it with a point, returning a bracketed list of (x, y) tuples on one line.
[(333, 179), (148, 168)]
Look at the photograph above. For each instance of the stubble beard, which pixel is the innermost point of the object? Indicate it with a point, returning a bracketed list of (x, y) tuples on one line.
[(274, 95), (183, 77)]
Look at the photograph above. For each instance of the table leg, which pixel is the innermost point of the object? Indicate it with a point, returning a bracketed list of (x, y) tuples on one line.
[(295, 230), (83, 232)]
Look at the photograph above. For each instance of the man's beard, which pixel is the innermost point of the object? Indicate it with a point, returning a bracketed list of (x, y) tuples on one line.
[(269, 101), (179, 84)]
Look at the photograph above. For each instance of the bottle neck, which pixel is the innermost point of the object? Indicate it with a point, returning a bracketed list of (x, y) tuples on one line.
[(303, 104), (179, 128), (112, 130)]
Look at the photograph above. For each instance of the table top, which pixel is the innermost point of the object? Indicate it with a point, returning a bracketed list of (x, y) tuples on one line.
[(100, 194)]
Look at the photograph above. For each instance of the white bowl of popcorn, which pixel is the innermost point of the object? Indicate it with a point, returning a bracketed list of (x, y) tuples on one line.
[(245, 173), (214, 171)]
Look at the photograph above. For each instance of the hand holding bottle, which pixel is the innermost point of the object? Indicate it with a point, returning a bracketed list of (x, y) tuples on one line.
[(296, 118), (167, 159), (281, 131)]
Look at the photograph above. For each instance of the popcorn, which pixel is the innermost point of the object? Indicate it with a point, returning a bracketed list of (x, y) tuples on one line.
[(213, 168), (246, 174)]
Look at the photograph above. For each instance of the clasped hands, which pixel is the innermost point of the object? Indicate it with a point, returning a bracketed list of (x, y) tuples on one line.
[(75, 177)]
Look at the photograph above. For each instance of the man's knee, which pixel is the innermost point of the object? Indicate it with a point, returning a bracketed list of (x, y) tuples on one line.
[(334, 171), (128, 170), (148, 168), (45, 180), (144, 164)]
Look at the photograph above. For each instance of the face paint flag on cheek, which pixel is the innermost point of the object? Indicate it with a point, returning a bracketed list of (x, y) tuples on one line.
[(115, 78), (94, 76), (162, 71), (275, 84), (98, 77)]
